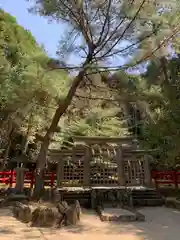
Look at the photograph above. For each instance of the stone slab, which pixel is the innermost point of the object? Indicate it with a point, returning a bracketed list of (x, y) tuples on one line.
[(117, 214), (116, 211)]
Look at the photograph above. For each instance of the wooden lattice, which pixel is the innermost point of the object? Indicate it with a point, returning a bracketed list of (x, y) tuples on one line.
[(104, 167), (101, 161), (134, 171), (73, 171)]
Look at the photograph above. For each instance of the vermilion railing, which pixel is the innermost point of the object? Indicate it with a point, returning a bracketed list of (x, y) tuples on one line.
[(9, 178), (166, 177), (159, 178)]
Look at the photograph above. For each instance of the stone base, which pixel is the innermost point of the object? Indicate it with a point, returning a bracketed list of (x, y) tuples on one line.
[(120, 214)]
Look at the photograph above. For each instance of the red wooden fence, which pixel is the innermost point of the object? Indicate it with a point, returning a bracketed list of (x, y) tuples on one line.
[(9, 178), (159, 178), (166, 178)]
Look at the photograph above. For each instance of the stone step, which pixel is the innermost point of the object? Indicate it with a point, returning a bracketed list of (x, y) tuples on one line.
[(144, 192), (148, 202), (146, 196), (149, 197)]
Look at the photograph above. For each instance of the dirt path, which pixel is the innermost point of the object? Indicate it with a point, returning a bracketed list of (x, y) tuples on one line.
[(161, 224)]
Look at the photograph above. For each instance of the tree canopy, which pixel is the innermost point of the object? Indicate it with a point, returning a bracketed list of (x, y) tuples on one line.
[(29, 91), (53, 99)]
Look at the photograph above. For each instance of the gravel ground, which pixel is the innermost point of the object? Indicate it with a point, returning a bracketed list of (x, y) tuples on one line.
[(161, 224)]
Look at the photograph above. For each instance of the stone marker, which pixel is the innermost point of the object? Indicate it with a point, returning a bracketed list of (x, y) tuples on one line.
[(45, 216), (22, 212), (71, 214)]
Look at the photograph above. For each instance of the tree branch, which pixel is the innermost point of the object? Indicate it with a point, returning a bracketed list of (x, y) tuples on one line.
[(114, 32), (130, 46), (128, 26), (101, 38)]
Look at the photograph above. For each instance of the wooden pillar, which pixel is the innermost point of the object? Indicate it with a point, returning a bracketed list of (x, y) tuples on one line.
[(32, 179), (74, 153), (60, 171), (11, 178), (52, 178), (20, 179), (120, 166), (87, 168), (147, 172)]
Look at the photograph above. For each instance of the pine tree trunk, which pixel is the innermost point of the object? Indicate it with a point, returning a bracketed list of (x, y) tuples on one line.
[(166, 85), (10, 133), (40, 167), (63, 105)]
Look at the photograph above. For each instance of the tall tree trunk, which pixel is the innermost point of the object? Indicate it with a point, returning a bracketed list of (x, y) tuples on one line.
[(166, 84), (25, 141), (10, 133), (63, 105)]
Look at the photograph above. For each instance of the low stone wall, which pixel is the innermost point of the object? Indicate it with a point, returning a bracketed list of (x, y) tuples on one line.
[(88, 197), (111, 197)]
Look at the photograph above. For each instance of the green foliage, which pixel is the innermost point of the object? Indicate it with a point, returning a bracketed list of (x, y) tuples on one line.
[(98, 29), (98, 122), (29, 90), (163, 132), (14, 39), (104, 104), (107, 25)]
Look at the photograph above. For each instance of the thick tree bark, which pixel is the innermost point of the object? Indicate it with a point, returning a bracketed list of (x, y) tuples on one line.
[(40, 166), (10, 133), (166, 85), (63, 105)]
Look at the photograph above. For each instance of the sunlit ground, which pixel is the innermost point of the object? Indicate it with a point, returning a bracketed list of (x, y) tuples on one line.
[(161, 224)]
